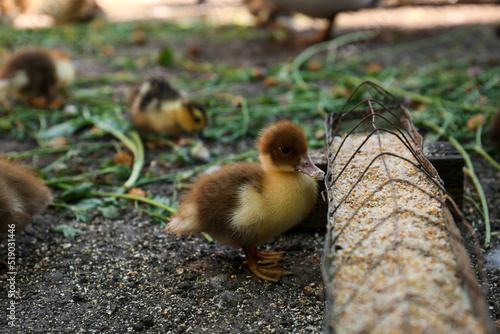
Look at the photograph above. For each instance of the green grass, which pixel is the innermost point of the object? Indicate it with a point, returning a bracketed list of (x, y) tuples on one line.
[(444, 90)]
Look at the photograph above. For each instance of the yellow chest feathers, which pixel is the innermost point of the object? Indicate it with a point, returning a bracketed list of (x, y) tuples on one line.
[(286, 199)]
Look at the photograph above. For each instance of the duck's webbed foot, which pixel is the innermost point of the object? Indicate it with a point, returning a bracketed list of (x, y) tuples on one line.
[(270, 272)]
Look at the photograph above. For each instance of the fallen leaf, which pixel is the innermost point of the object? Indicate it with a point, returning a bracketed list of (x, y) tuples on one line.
[(271, 81), (58, 142), (108, 50), (137, 192), (373, 68), (138, 35), (339, 91), (475, 121), (314, 65), (193, 51), (259, 72), (124, 158)]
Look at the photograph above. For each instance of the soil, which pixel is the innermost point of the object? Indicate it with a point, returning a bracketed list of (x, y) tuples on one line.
[(128, 275)]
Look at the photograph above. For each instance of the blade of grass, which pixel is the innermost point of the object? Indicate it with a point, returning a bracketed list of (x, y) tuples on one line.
[(335, 43), (469, 170), (133, 198), (478, 147)]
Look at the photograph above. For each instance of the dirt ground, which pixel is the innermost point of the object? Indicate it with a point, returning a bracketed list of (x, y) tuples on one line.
[(127, 275)]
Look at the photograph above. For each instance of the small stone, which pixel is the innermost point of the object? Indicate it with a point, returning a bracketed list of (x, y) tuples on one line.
[(78, 297), (138, 326), (148, 321)]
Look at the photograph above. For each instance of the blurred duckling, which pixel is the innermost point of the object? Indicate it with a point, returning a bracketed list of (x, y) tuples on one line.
[(327, 9), (36, 74), (65, 11), (245, 204), (155, 104), (22, 196)]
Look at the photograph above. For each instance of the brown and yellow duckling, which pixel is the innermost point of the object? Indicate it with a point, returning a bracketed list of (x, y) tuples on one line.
[(22, 196), (155, 104), (245, 204), (36, 74)]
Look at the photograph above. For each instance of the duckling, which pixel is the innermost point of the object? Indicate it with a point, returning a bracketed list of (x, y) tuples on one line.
[(245, 204), (22, 196), (64, 11), (155, 104), (327, 9), (36, 74)]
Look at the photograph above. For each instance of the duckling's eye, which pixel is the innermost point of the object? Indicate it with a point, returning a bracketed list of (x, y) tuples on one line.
[(285, 149), (197, 119)]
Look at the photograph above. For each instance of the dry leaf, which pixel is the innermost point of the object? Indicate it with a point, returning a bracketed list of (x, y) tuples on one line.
[(373, 68), (314, 65), (339, 91), (58, 142), (138, 35), (124, 158), (475, 121), (271, 81), (420, 107), (108, 50), (137, 192), (259, 72), (193, 51)]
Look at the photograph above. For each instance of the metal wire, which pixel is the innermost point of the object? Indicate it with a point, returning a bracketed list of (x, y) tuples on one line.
[(373, 117)]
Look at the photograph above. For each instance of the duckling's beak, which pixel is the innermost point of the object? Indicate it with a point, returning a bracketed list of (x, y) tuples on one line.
[(307, 167)]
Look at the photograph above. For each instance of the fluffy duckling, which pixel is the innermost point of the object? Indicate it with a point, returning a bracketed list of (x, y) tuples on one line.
[(155, 104), (245, 204), (64, 11), (327, 9), (36, 74), (22, 196)]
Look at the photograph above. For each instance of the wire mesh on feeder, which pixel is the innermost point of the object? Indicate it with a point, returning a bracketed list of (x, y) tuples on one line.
[(394, 260)]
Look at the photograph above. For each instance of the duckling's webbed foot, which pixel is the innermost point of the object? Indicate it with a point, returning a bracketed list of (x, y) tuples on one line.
[(267, 258), (270, 272)]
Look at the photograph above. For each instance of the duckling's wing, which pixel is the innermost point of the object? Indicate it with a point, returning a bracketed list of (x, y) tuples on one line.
[(214, 199)]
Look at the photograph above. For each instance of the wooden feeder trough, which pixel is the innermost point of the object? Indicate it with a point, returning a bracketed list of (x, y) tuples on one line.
[(394, 259)]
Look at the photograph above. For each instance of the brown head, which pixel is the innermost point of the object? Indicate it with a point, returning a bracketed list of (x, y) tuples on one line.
[(283, 148)]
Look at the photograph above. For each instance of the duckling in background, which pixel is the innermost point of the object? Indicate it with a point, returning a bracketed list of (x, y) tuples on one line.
[(155, 104), (245, 204), (327, 9), (65, 11), (36, 74), (22, 196)]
